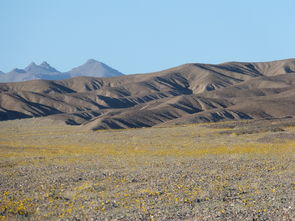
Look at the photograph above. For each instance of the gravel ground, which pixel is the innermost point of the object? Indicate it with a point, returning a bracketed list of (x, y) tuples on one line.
[(56, 172)]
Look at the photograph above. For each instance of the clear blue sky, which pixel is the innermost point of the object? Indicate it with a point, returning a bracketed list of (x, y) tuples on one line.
[(136, 36)]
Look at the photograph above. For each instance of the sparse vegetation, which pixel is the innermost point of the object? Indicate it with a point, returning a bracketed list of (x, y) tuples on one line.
[(191, 172)]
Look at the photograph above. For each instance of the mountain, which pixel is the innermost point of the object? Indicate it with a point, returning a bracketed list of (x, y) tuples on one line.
[(43, 68), (94, 68), (188, 93), (32, 72), (45, 72)]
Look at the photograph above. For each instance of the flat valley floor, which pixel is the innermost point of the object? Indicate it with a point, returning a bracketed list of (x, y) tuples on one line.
[(219, 171)]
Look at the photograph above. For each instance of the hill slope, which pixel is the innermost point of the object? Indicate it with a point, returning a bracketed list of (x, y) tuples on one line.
[(184, 94)]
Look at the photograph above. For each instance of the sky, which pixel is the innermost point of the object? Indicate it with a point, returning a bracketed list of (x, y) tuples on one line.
[(136, 36)]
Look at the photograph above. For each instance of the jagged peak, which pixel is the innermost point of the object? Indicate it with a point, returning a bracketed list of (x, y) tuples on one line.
[(34, 68), (45, 64), (32, 64)]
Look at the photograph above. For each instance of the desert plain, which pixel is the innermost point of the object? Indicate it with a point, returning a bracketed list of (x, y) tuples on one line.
[(238, 170)]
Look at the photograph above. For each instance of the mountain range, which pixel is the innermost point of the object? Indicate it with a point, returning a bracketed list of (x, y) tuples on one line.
[(45, 72), (190, 93)]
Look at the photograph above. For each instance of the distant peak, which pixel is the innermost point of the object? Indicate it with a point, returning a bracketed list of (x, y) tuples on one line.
[(92, 61), (43, 68), (45, 64), (94, 68), (32, 64)]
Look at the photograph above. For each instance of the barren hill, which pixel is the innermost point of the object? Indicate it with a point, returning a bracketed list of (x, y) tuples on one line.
[(184, 94)]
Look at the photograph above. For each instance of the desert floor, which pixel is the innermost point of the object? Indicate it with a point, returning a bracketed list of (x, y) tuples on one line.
[(220, 171)]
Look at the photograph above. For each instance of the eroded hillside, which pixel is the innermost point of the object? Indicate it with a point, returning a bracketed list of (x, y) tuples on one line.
[(186, 94)]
